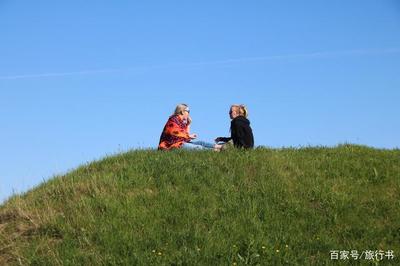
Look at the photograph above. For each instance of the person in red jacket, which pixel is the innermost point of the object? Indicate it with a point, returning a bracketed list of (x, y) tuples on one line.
[(176, 132)]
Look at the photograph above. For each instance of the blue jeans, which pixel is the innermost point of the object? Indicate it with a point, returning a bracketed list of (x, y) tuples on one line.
[(197, 145)]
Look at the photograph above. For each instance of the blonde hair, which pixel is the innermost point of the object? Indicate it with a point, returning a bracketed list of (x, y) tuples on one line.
[(180, 108), (241, 109)]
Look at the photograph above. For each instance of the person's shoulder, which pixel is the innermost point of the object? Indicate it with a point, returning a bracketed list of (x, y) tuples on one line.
[(240, 119), (173, 118)]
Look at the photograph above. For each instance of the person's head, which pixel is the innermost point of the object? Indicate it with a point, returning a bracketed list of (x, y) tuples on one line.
[(183, 111), (238, 110)]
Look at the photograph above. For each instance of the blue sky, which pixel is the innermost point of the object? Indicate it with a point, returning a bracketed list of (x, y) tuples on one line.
[(80, 80)]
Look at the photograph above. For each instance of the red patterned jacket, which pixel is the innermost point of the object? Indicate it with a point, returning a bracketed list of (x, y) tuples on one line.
[(174, 134)]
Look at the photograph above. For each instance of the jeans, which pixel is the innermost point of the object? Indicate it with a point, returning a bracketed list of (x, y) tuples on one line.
[(197, 145)]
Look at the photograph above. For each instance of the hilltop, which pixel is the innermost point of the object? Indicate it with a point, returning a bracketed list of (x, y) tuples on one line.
[(289, 206)]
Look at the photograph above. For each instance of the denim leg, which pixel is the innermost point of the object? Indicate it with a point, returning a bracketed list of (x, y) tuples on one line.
[(203, 144), (191, 146)]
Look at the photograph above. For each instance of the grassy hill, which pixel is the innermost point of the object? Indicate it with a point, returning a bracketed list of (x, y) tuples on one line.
[(261, 207)]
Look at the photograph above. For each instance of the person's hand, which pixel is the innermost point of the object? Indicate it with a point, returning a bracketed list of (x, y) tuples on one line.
[(193, 136)]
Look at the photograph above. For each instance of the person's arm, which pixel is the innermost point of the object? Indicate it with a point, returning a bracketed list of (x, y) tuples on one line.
[(191, 136), (222, 139), (237, 134), (240, 136)]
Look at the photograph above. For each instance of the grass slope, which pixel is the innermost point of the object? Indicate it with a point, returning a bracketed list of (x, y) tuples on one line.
[(261, 207)]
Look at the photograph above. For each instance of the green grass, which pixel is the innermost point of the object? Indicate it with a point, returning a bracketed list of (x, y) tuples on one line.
[(261, 207)]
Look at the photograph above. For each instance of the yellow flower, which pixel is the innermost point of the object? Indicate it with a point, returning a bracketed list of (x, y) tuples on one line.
[(263, 247), (159, 253), (277, 251), (154, 251)]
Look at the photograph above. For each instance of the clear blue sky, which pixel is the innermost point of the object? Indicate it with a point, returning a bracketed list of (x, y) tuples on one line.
[(83, 79)]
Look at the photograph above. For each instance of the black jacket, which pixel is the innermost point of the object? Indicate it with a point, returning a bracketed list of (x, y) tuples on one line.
[(241, 133)]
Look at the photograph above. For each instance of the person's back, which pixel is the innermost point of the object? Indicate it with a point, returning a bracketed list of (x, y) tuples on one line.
[(241, 132)]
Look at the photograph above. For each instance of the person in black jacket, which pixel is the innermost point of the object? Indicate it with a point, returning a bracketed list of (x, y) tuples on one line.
[(241, 132)]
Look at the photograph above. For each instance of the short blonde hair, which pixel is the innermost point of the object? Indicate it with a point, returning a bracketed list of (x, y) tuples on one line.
[(241, 109)]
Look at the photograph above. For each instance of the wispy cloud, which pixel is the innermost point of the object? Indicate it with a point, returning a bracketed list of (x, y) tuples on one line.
[(232, 61)]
